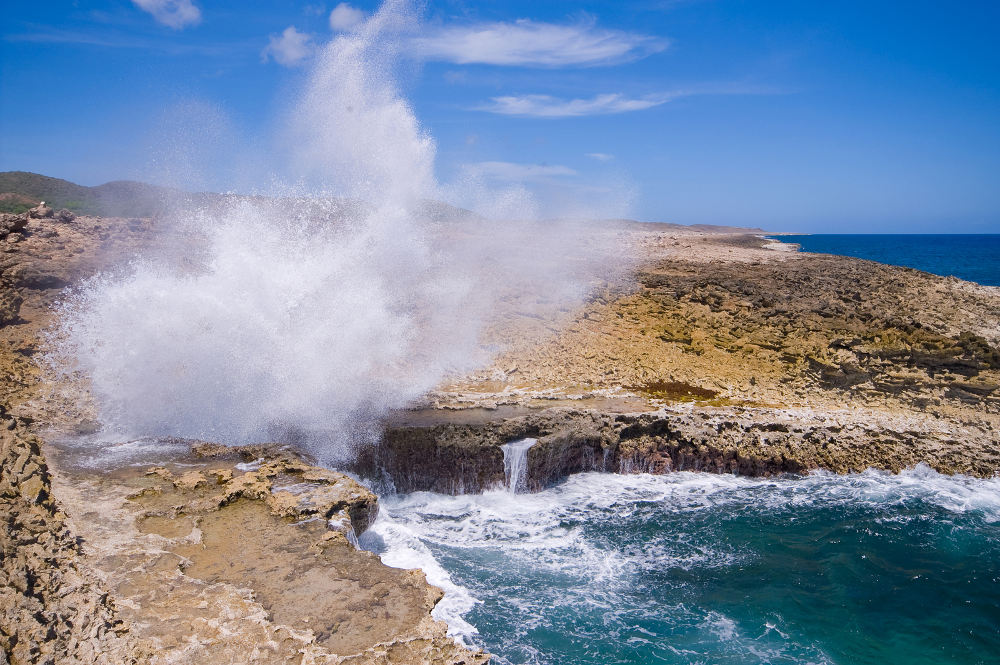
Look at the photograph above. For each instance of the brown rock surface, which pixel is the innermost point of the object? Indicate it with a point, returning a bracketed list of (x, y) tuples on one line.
[(40, 211), (888, 367), (214, 560), (53, 608)]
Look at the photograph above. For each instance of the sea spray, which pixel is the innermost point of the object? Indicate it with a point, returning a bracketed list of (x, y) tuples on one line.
[(305, 318)]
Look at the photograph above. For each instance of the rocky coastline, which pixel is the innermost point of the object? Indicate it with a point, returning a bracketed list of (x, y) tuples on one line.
[(202, 554), (458, 458), (717, 354)]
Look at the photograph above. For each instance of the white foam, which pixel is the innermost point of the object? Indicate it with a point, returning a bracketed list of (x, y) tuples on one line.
[(404, 549), (545, 530), (250, 466)]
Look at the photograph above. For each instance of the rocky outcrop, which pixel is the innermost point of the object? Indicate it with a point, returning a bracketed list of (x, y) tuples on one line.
[(289, 487), (41, 211), (12, 224), (768, 328), (238, 555), (52, 608), (228, 558), (455, 458)]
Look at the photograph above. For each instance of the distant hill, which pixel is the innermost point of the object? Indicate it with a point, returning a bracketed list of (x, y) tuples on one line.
[(667, 226), (20, 190)]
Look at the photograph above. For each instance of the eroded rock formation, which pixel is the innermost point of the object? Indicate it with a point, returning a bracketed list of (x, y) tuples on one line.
[(53, 608), (458, 457)]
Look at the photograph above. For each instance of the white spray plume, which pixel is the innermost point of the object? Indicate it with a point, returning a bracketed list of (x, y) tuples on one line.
[(314, 314)]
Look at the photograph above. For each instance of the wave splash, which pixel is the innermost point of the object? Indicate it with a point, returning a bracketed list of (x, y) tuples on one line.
[(310, 316)]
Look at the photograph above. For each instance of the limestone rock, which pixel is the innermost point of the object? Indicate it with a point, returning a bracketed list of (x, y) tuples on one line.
[(10, 306), (52, 609), (12, 223), (41, 211)]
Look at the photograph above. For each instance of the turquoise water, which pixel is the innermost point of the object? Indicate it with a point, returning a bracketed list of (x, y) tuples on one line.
[(700, 568), (975, 258)]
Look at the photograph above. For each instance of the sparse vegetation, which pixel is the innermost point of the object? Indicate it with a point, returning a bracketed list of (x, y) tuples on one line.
[(21, 190)]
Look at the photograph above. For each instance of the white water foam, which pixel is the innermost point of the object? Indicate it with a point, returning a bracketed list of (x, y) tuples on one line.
[(400, 547), (546, 531)]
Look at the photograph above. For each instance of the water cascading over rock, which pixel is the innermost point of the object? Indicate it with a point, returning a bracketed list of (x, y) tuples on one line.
[(515, 464)]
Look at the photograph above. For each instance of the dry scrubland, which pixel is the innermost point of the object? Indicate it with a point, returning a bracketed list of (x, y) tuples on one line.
[(719, 353)]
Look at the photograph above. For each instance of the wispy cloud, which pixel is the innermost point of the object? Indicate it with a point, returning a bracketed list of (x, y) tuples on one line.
[(118, 40), (514, 172), (532, 44), (547, 106), (600, 156), (289, 48), (344, 17), (176, 14)]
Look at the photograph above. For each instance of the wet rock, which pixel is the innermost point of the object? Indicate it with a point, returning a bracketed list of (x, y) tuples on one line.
[(458, 458)]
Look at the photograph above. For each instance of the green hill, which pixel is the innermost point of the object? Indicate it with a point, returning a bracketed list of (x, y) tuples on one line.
[(121, 198)]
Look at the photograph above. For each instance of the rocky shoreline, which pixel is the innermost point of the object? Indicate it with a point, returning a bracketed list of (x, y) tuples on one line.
[(719, 355), (457, 457), (178, 551)]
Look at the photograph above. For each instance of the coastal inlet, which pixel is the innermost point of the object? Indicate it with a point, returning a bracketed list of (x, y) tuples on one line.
[(703, 568)]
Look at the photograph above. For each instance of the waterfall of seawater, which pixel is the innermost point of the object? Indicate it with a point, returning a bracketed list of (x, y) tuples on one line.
[(515, 463)]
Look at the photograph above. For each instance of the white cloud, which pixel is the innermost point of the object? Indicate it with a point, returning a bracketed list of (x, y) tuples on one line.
[(546, 106), (289, 48), (528, 43), (600, 156), (173, 13), (512, 172), (344, 17)]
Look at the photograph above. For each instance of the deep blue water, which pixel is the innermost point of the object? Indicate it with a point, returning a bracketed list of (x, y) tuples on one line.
[(975, 258), (698, 568)]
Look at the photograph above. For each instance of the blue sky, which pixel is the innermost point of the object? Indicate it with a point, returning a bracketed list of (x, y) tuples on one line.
[(801, 116)]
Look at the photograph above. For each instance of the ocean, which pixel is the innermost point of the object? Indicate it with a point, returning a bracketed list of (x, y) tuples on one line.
[(972, 257), (701, 568)]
